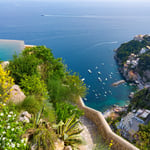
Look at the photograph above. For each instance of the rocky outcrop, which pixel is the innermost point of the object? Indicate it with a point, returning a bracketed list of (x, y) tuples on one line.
[(146, 75), (118, 82), (16, 95), (59, 145), (25, 117), (68, 148), (5, 64)]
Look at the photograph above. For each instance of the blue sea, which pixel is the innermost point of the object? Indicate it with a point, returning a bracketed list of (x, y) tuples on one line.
[(83, 33)]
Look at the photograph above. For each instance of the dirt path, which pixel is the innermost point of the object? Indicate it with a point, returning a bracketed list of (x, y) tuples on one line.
[(90, 135)]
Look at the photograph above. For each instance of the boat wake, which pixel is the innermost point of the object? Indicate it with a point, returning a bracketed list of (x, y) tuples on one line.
[(105, 43), (74, 16)]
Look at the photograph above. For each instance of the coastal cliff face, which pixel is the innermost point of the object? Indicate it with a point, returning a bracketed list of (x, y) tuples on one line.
[(133, 59)]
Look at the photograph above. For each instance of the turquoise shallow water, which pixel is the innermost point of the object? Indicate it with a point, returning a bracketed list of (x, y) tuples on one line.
[(83, 34), (9, 47)]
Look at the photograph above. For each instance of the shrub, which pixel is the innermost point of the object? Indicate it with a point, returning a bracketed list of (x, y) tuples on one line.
[(31, 104), (42, 135), (23, 65), (33, 85), (76, 86), (49, 113), (40, 52), (6, 82), (69, 132), (65, 110), (68, 89), (57, 91)]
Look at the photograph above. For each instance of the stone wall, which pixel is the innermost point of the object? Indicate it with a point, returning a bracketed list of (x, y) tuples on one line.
[(95, 116)]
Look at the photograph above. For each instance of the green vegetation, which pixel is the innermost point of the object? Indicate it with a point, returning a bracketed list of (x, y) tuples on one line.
[(23, 65), (113, 124), (41, 136), (11, 130), (36, 66), (33, 85), (5, 88), (142, 137), (141, 100), (65, 111), (69, 132), (144, 62), (50, 92), (130, 47)]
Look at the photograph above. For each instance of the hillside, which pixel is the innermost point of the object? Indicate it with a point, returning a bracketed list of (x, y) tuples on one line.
[(133, 59)]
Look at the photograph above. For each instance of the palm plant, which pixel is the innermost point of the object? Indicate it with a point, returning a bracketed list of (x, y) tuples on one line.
[(69, 132)]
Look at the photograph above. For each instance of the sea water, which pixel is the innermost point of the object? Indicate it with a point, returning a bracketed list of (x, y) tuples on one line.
[(84, 34), (9, 47)]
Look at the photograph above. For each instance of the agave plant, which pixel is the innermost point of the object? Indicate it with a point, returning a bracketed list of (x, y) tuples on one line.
[(42, 136), (69, 132)]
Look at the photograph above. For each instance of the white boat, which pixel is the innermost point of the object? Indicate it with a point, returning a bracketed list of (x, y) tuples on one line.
[(96, 67), (85, 99), (96, 95), (89, 71), (99, 72), (99, 79), (106, 79), (82, 79)]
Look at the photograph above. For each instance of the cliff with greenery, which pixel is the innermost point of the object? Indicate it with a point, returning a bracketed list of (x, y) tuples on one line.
[(133, 46), (141, 100), (125, 50), (51, 91), (133, 60)]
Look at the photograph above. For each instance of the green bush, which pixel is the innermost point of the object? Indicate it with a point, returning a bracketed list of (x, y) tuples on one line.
[(76, 86), (33, 85), (142, 137), (66, 90), (57, 91), (141, 99), (23, 65), (65, 110), (49, 113), (31, 104), (40, 52)]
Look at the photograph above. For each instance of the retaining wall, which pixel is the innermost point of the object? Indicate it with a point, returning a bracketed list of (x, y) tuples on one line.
[(105, 131)]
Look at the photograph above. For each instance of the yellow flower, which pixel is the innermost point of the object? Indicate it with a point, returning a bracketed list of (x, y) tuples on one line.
[(6, 82)]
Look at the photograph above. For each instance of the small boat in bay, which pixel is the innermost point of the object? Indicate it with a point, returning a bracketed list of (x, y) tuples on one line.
[(99, 72), (89, 71), (99, 79), (82, 79)]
